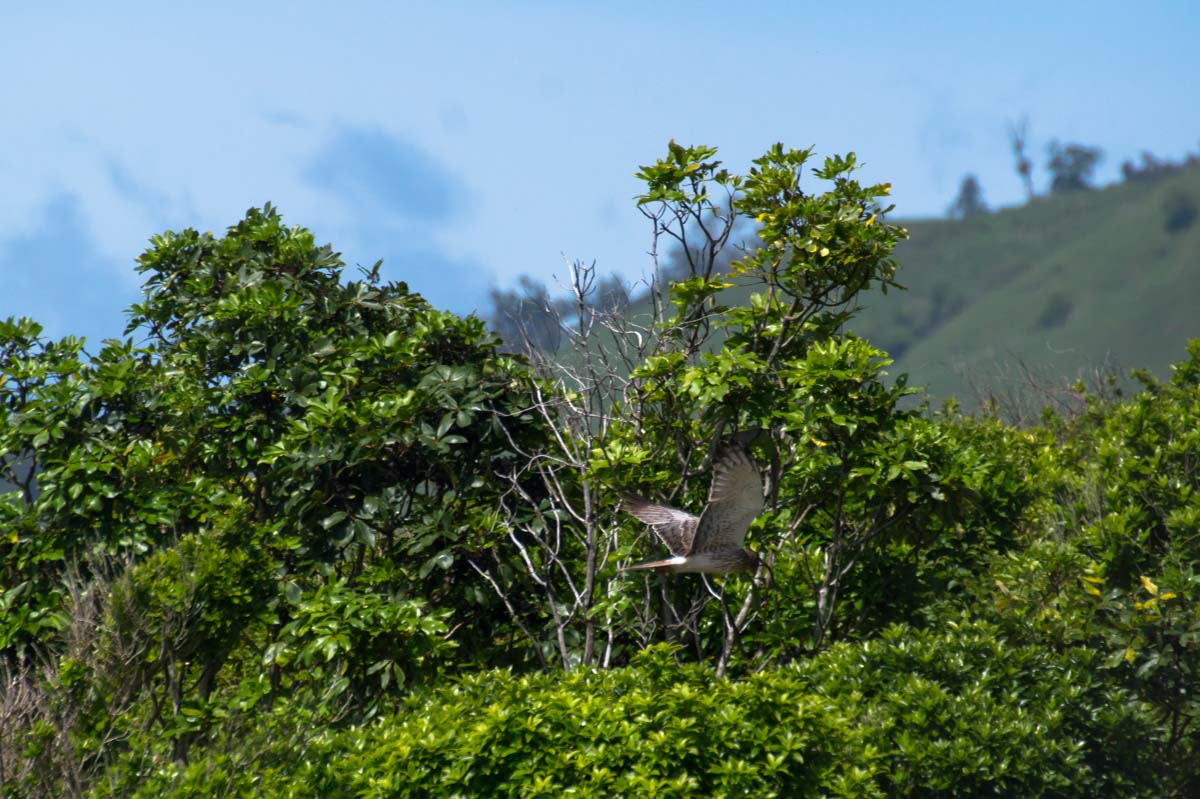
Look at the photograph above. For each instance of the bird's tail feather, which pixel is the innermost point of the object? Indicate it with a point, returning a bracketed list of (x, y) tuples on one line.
[(660, 566)]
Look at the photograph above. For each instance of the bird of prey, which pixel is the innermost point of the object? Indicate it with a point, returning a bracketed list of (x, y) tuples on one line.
[(710, 543)]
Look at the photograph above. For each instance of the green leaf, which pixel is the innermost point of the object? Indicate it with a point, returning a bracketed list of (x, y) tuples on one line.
[(333, 519)]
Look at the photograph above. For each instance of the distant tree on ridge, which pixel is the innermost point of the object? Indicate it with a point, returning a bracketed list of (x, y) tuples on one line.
[(1071, 166), (970, 200)]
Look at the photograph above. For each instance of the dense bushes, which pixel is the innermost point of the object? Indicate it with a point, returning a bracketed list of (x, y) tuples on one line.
[(953, 712), (313, 536), (273, 493)]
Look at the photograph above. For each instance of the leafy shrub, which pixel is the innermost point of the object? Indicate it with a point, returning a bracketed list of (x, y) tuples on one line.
[(957, 712)]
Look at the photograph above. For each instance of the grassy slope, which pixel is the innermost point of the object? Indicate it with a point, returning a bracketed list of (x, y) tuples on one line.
[(1062, 284)]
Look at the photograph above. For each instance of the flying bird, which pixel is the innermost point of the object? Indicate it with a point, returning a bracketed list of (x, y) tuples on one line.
[(710, 543)]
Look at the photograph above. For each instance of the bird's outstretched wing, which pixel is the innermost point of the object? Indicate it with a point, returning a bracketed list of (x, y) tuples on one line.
[(675, 527), (735, 499)]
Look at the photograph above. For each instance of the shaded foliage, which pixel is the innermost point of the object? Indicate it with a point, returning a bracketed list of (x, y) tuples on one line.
[(1179, 212)]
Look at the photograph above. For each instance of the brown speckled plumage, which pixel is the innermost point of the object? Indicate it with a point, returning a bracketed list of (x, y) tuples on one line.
[(711, 542)]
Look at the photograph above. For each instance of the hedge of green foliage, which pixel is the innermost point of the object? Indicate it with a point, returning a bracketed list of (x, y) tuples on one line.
[(958, 711)]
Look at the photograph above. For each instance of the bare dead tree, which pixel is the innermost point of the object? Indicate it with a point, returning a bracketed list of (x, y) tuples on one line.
[(33, 696), (561, 521), (1018, 138), (557, 518), (1018, 392), (698, 234)]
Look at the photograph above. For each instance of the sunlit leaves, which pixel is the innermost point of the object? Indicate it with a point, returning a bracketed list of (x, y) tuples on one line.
[(683, 176), (951, 712)]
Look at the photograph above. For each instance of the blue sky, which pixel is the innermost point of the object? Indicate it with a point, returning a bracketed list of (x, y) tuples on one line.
[(467, 143)]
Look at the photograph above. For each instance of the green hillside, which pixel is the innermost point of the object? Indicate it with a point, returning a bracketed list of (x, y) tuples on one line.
[(1065, 283)]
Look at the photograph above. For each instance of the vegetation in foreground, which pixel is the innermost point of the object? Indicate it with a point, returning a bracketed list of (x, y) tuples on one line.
[(311, 536)]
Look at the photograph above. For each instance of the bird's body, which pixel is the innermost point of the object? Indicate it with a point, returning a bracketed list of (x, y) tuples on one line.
[(710, 543)]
